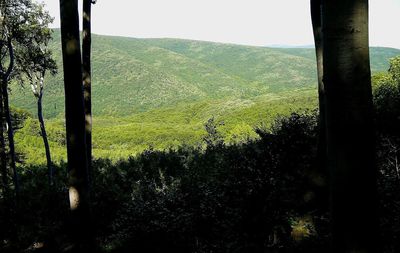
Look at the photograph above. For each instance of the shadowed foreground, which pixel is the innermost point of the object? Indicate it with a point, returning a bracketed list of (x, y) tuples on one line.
[(259, 196)]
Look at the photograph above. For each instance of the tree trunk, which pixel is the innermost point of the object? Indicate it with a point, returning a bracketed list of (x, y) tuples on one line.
[(349, 125), (320, 174), (316, 8), (75, 125), (44, 136), (10, 135), (3, 157), (7, 115), (316, 17), (87, 78), (7, 197)]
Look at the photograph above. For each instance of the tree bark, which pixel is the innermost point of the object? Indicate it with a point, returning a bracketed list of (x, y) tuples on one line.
[(87, 77), (80, 229), (349, 125)]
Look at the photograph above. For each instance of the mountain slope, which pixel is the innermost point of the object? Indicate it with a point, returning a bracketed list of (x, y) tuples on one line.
[(268, 66), (137, 75)]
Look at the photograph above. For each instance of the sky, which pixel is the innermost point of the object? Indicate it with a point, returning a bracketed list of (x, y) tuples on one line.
[(246, 22)]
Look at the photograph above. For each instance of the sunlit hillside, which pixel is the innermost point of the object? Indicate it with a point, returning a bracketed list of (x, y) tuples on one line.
[(137, 75)]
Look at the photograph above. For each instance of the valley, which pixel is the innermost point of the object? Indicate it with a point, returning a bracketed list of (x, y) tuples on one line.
[(159, 93)]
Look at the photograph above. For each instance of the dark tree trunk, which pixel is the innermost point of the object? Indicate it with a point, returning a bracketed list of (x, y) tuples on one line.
[(3, 157), (316, 17), (7, 197), (316, 8), (80, 226), (44, 136), (319, 176), (87, 77), (10, 135), (7, 115), (349, 124)]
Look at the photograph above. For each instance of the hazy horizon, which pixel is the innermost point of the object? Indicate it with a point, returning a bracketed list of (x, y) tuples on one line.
[(218, 42), (251, 22)]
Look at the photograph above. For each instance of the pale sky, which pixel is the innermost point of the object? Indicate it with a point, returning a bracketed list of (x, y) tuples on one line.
[(248, 22)]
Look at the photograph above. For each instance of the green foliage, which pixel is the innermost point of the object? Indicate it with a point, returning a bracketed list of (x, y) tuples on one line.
[(120, 137), (213, 137), (386, 92), (19, 116), (26, 23), (387, 112), (394, 69), (30, 143)]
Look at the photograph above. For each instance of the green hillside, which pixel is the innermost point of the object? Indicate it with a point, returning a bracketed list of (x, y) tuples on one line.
[(137, 75), (158, 93)]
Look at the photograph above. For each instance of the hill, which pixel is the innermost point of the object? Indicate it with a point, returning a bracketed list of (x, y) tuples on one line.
[(158, 93), (137, 75)]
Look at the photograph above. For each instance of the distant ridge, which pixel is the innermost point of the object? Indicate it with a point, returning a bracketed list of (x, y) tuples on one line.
[(289, 46)]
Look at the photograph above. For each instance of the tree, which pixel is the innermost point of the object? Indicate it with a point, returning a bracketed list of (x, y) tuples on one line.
[(75, 126), (24, 28), (349, 125), (5, 74), (87, 75), (37, 85), (394, 70), (213, 137), (40, 61)]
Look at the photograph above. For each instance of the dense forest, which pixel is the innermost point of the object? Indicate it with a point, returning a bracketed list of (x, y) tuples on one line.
[(113, 144)]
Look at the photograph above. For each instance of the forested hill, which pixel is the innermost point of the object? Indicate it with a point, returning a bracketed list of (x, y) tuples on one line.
[(136, 75)]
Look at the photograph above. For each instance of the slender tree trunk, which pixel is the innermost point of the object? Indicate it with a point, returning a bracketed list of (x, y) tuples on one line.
[(44, 136), (3, 157), (87, 78), (10, 135), (349, 125), (7, 200), (80, 225), (7, 115)]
